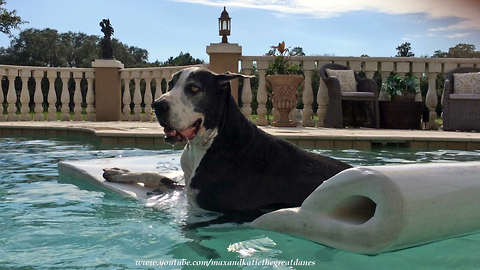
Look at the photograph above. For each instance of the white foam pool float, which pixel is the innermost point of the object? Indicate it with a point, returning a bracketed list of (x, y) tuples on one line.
[(375, 209)]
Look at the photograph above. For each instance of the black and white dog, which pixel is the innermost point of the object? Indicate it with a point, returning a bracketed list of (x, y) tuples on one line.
[(229, 164)]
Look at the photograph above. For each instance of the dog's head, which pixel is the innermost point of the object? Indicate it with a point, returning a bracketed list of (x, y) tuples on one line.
[(193, 104)]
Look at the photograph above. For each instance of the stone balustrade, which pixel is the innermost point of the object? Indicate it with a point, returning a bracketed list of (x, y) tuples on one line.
[(36, 89), (383, 66), (44, 93), (137, 86)]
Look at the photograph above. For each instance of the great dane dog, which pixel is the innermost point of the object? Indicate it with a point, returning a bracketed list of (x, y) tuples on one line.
[(229, 164)]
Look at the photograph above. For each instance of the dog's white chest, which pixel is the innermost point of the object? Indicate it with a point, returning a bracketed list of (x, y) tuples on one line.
[(192, 155)]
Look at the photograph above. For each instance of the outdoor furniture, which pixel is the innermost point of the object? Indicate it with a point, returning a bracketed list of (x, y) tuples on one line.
[(461, 100), (344, 85)]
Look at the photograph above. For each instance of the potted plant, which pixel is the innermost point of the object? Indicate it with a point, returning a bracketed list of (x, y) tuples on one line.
[(397, 88), (285, 82), (400, 110)]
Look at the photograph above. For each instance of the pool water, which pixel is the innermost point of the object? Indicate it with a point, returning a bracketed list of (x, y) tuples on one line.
[(51, 222)]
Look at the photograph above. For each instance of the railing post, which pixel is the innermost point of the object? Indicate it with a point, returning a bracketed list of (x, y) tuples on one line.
[(65, 96), (224, 57), (52, 95), (126, 99), (137, 97), (247, 96), (12, 96), (2, 98), (431, 100), (370, 68), (386, 70), (307, 96), (108, 93), (262, 94), (38, 96), (90, 98), (158, 76), (25, 96), (418, 68), (77, 97), (146, 75), (322, 98)]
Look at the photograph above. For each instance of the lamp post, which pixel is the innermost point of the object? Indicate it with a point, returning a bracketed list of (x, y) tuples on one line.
[(224, 25)]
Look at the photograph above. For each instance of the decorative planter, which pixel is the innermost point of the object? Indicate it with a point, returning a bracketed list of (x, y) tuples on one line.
[(284, 96), (400, 114)]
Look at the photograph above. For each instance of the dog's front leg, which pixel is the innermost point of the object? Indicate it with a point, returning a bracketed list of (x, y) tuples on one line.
[(150, 179)]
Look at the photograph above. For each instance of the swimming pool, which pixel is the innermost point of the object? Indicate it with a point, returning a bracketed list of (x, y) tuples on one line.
[(49, 221)]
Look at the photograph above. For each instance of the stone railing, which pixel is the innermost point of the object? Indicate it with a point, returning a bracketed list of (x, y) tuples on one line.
[(51, 94), (27, 91), (146, 83), (38, 87), (369, 65)]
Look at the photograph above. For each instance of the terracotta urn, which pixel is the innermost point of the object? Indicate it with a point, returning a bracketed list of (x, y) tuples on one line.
[(284, 96)]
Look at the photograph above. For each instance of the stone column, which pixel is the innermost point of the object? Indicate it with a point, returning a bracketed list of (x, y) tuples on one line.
[(224, 57), (108, 96)]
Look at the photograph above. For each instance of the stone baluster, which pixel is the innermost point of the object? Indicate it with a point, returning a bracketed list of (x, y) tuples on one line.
[(307, 97), (137, 97), (386, 70), (90, 98), (431, 100), (402, 68), (247, 95), (447, 67), (355, 66), (322, 98), (38, 96), (25, 96), (262, 94), (65, 96), (148, 98), (52, 96), (418, 68), (12, 96), (158, 76), (127, 99), (2, 98), (370, 68), (77, 96)]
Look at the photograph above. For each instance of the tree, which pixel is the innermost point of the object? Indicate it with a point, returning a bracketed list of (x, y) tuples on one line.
[(183, 59), (297, 51), (404, 50), (9, 20)]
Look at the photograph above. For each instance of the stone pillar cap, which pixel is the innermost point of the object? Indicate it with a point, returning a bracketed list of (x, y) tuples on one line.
[(110, 63)]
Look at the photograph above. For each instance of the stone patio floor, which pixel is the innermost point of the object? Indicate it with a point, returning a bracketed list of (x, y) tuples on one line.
[(150, 134)]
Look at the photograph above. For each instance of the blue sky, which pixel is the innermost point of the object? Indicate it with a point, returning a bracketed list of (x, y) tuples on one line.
[(341, 27)]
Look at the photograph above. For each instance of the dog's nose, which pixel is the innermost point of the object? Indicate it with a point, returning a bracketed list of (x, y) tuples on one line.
[(161, 105)]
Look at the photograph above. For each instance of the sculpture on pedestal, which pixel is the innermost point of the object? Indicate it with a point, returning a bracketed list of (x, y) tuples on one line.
[(106, 43)]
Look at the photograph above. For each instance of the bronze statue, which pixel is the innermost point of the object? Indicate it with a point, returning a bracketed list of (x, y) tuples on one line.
[(106, 43)]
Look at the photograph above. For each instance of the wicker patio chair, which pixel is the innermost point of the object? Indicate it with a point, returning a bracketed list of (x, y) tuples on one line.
[(461, 100), (365, 90)]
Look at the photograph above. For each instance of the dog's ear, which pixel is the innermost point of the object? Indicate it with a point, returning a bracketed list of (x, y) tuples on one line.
[(227, 77)]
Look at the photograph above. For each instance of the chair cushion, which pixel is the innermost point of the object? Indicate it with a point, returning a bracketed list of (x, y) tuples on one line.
[(346, 79), (358, 94), (464, 96), (466, 83)]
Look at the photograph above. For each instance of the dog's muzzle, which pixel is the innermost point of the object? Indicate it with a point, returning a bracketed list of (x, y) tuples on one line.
[(173, 135)]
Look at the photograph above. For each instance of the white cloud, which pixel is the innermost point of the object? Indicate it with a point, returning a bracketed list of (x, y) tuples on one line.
[(467, 10)]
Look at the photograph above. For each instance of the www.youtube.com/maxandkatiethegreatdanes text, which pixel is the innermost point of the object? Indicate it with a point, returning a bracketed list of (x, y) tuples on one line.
[(212, 263)]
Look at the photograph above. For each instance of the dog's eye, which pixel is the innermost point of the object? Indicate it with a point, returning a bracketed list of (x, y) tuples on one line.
[(194, 89)]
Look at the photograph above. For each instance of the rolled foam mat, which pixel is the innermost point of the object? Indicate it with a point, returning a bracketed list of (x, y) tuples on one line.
[(375, 209)]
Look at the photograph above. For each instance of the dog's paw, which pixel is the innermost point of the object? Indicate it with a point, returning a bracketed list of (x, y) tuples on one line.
[(115, 174)]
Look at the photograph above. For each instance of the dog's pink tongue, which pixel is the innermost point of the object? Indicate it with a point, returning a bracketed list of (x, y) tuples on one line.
[(170, 132), (188, 133)]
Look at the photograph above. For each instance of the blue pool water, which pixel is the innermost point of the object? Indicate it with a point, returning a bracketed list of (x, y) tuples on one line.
[(51, 222)]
